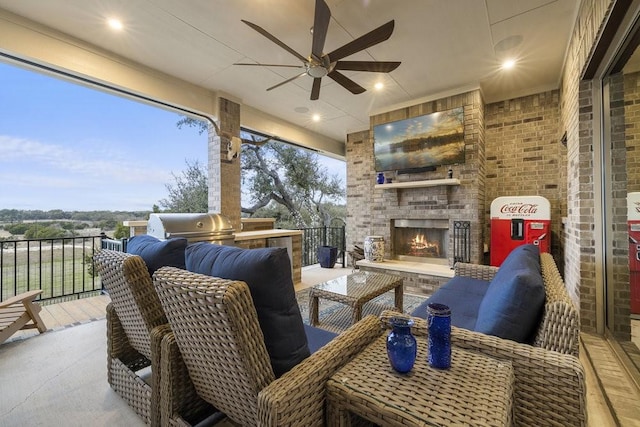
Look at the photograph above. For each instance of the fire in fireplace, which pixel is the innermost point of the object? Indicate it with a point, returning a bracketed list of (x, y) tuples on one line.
[(422, 240)]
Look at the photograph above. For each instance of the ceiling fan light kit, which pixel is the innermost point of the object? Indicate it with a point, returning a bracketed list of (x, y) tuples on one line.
[(319, 64)]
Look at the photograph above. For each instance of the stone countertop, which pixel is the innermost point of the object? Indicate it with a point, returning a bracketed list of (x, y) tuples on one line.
[(265, 234)]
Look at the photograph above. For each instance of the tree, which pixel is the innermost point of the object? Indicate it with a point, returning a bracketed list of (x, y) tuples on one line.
[(37, 231), (278, 175), (121, 231), (292, 177), (190, 192)]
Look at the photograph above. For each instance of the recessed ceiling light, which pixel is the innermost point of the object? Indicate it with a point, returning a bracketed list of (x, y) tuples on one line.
[(315, 117), (508, 64), (378, 86), (115, 24)]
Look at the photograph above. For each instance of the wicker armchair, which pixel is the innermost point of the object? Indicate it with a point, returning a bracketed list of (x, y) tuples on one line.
[(136, 326), (216, 328), (550, 387), (559, 328)]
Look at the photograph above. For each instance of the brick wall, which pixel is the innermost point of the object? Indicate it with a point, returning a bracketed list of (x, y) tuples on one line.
[(576, 111), (525, 156), (631, 129), (370, 210), (623, 94), (224, 174)]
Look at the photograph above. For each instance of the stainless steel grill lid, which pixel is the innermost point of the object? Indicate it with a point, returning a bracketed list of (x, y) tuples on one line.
[(195, 227)]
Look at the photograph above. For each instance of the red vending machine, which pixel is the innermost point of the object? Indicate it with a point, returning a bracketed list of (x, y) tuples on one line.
[(516, 221), (633, 219)]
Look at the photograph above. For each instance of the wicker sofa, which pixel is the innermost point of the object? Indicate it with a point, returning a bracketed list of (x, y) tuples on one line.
[(559, 326), (550, 387)]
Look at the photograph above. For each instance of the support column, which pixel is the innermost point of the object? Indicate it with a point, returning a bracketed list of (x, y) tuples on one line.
[(224, 174)]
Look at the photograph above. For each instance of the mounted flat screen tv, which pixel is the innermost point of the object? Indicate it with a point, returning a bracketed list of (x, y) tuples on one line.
[(420, 143)]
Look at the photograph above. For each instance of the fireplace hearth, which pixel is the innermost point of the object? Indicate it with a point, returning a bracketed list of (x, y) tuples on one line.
[(421, 240)]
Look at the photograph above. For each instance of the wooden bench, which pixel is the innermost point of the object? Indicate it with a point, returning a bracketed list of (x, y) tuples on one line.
[(20, 312)]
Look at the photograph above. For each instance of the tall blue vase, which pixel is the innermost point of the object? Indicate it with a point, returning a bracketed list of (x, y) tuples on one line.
[(439, 325), (401, 345)]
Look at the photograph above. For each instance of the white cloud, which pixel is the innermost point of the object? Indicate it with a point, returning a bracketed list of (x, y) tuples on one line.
[(92, 164)]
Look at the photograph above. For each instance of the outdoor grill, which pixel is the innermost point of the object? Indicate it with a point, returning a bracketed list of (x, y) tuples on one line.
[(195, 227)]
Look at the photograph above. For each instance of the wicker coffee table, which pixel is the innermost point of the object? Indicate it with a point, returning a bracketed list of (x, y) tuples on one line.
[(354, 290), (476, 391)]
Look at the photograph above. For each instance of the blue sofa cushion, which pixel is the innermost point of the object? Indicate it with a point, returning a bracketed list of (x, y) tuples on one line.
[(463, 295), (158, 253), (317, 337), (267, 272), (512, 306)]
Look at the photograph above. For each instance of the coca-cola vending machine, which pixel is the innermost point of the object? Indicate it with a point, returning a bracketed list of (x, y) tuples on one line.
[(519, 220), (633, 220)]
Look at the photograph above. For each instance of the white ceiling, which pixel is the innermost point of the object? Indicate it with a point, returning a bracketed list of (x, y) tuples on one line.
[(444, 45)]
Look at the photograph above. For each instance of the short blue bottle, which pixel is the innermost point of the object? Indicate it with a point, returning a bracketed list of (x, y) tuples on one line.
[(401, 345), (439, 326), (380, 179)]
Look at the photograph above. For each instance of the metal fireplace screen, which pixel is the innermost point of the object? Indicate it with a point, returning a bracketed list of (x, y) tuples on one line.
[(461, 241), (418, 240)]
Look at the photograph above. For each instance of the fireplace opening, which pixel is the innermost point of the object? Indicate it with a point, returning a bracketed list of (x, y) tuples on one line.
[(421, 240)]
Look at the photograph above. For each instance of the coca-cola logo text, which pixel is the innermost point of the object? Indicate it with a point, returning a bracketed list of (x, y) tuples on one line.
[(519, 208)]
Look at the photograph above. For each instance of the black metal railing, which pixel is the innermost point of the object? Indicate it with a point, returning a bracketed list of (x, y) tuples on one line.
[(62, 268), (322, 236), (311, 239)]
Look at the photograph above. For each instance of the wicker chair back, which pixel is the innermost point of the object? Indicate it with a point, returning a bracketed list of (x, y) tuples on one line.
[(126, 278), (216, 327)]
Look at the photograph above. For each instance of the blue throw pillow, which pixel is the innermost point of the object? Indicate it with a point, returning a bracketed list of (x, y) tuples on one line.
[(267, 272), (513, 303), (158, 253)]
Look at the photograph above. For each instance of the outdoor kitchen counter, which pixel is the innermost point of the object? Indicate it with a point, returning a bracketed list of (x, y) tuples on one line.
[(266, 234), (290, 239)]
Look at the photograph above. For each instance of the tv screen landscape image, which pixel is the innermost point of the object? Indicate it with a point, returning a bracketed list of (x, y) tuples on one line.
[(421, 142)]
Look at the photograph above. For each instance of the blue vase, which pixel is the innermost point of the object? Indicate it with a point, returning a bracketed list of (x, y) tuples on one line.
[(401, 345), (380, 179), (439, 325)]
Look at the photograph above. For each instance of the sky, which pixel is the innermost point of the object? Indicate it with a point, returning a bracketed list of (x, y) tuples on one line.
[(66, 146)]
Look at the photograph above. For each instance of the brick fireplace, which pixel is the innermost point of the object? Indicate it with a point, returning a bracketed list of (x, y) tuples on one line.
[(372, 209)]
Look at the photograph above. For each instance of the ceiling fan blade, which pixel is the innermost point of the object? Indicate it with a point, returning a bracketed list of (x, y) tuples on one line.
[(320, 27), (372, 66), (287, 81), (346, 82), (275, 40), (372, 38), (267, 65), (315, 89)]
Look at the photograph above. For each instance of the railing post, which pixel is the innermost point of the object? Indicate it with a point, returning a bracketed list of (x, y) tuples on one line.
[(343, 245)]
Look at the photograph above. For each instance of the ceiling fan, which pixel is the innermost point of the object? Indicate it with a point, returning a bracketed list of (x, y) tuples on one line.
[(319, 64)]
